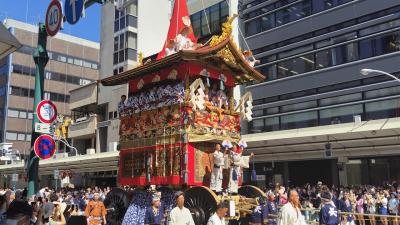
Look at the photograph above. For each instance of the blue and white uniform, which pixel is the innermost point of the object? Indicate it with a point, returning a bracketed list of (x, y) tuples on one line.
[(271, 213), (328, 214)]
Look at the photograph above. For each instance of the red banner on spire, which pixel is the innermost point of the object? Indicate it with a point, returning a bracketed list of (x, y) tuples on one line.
[(179, 20)]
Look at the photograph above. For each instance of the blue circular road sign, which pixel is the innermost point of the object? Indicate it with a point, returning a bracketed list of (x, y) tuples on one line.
[(73, 10)]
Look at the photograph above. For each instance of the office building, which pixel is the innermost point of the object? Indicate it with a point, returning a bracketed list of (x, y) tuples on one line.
[(315, 116), (74, 62)]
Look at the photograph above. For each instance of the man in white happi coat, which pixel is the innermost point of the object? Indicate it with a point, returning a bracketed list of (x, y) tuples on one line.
[(219, 216), (237, 163), (290, 212), (216, 175), (180, 215)]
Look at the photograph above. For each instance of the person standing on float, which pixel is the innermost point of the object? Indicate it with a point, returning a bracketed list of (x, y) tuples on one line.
[(216, 175)]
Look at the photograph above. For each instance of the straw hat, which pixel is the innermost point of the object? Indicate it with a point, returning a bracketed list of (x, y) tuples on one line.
[(247, 53), (170, 43)]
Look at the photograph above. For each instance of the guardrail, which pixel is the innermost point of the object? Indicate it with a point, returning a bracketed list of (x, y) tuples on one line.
[(312, 216)]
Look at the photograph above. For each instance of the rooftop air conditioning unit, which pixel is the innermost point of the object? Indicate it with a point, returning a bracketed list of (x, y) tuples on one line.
[(90, 151), (357, 119), (61, 155), (112, 146)]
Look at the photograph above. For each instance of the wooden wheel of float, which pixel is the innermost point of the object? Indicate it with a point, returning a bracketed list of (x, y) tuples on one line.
[(202, 202), (250, 191), (117, 202)]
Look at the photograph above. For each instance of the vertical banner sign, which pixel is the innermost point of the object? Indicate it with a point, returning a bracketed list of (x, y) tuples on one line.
[(53, 18)]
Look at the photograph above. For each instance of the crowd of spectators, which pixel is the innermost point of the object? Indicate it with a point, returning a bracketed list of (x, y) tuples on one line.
[(50, 207), (364, 204)]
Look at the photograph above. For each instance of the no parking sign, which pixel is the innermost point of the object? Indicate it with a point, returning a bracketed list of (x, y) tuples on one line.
[(44, 146)]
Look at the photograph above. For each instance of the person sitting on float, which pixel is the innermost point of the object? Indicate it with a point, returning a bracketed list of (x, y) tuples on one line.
[(170, 47), (182, 40), (248, 56)]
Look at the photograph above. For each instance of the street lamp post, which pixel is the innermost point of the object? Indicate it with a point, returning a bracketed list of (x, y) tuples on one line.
[(366, 72)]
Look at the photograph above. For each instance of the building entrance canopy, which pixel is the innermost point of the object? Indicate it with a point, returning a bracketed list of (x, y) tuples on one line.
[(8, 43), (364, 139)]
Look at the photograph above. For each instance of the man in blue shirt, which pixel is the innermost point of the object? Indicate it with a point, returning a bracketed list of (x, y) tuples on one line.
[(271, 213), (259, 213), (328, 214), (154, 214)]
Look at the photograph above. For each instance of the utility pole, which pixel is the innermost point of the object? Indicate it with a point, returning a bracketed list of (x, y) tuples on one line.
[(41, 58)]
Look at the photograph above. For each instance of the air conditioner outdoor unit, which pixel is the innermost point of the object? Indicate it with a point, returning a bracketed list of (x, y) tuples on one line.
[(90, 151), (112, 146), (357, 119), (61, 155)]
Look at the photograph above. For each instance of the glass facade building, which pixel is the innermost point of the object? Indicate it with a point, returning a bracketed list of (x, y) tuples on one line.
[(315, 53), (311, 52)]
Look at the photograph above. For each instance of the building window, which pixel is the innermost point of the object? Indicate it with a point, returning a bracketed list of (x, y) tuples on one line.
[(271, 124), (380, 45), (23, 115), (296, 66), (382, 109), (216, 15), (257, 125), (132, 9), (132, 21), (299, 120), (340, 99), (21, 137), (131, 40), (290, 13), (12, 113), (382, 92), (299, 106), (11, 136), (337, 115)]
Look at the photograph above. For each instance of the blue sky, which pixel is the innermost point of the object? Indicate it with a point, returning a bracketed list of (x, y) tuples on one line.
[(34, 11)]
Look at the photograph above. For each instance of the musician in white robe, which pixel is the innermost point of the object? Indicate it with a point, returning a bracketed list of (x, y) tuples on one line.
[(238, 162), (216, 175)]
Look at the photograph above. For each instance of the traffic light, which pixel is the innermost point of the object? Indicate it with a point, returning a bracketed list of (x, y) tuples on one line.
[(328, 150)]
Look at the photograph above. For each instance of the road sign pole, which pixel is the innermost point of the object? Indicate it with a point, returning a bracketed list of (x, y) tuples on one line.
[(41, 58)]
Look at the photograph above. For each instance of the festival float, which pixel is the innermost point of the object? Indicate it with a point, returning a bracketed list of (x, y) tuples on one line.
[(178, 107)]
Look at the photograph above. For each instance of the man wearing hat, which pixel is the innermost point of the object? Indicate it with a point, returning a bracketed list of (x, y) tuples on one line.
[(328, 215), (155, 213), (19, 213), (95, 211), (218, 217), (180, 215)]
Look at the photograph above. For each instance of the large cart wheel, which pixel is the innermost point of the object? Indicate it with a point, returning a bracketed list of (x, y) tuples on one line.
[(117, 202), (250, 191), (202, 202)]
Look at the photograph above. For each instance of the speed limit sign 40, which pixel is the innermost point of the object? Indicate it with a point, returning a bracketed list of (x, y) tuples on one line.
[(53, 18)]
